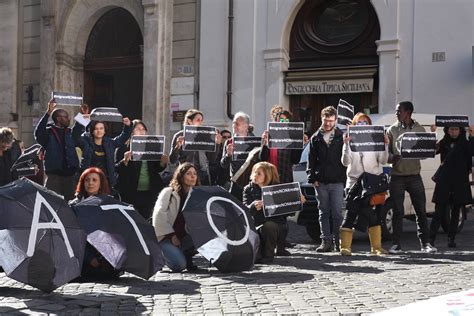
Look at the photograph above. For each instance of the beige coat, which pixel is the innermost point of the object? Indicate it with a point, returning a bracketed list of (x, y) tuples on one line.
[(165, 212)]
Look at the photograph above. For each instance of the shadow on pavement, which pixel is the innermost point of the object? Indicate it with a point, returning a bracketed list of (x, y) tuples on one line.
[(324, 264), (144, 287), (267, 277), (34, 301)]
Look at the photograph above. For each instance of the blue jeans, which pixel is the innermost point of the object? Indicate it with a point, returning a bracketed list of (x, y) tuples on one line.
[(174, 256), (330, 198)]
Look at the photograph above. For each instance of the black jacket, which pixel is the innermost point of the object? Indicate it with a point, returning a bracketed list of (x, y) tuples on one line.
[(286, 159), (324, 162), (128, 179), (453, 181), (253, 192)]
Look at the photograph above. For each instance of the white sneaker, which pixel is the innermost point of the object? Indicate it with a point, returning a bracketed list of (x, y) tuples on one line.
[(428, 248), (395, 249)]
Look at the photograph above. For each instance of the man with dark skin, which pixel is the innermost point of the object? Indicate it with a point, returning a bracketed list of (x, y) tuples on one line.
[(59, 142), (405, 176)]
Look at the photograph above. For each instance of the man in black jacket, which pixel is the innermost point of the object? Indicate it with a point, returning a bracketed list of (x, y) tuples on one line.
[(328, 175)]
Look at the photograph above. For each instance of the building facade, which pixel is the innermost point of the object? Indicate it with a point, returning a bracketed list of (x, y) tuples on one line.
[(154, 59)]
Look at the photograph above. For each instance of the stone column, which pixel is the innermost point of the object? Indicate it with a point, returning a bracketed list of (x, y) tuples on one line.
[(8, 64), (389, 52), (157, 40), (47, 51)]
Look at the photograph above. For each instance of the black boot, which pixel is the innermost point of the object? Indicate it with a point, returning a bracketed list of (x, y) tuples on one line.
[(451, 243), (326, 246)]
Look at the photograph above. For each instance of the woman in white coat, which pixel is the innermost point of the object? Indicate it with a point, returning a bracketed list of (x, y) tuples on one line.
[(169, 223), (357, 163)]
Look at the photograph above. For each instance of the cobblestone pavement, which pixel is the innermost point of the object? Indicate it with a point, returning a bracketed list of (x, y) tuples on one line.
[(306, 283)]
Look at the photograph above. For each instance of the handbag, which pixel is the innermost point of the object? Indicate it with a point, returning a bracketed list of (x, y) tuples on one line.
[(378, 198), (374, 186)]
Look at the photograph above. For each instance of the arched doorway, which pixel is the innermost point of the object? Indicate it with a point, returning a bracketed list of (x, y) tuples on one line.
[(333, 55), (113, 64)]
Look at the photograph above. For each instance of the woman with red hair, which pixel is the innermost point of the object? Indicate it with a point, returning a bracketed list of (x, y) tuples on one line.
[(357, 163), (95, 267)]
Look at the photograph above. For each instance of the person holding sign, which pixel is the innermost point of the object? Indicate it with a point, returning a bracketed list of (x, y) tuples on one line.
[(169, 223), (240, 125), (9, 153), (95, 267), (283, 159), (357, 163), (273, 230), (200, 159), (452, 190), (405, 176), (59, 142), (99, 149), (328, 175), (140, 182)]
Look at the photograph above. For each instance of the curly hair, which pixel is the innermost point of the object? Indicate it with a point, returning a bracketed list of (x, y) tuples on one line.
[(178, 177), (277, 111), (104, 183)]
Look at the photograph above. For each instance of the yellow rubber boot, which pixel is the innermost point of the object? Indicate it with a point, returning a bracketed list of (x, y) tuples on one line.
[(346, 241), (375, 236)]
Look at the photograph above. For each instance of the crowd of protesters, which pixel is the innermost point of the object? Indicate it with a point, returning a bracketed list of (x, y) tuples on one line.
[(80, 162)]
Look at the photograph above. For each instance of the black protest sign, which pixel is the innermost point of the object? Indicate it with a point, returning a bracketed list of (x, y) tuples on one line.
[(285, 135), (243, 145), (26, 171), (418, 145), (106, 115), (199, 138), (147, 147), (345, 112), (365, 138), (64, 98), (452, 120), (281, 199)]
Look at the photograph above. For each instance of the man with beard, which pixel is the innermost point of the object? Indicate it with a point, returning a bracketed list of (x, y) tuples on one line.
[(328, 175)]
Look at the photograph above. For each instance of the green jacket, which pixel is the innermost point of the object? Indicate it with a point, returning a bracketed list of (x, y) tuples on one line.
[(404, 167)]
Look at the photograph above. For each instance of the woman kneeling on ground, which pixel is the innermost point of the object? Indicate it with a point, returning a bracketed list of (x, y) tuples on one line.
[(95, 267), (169, 223), (272, 230)]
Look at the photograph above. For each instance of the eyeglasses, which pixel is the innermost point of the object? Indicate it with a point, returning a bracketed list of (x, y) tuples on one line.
[(362, 123), (282, 120)]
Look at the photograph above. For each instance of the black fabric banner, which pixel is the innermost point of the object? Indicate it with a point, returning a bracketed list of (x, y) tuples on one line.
[(63, 98), (106, 115), (243, 145), (452, 120), (366, 138), (418, 145), (147, 147), (345, 112), (281, 199), (285, 135), (199, 138)]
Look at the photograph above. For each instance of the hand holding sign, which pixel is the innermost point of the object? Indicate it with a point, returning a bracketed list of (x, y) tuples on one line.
[(452, 120), (105, 114), (64, 98), (51, 106), (199, 138), (345, 112), (287, 135), (418, 145)]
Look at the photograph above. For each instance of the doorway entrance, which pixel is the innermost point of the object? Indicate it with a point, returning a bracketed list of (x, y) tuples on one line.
[(332, 42), (113, 65)]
